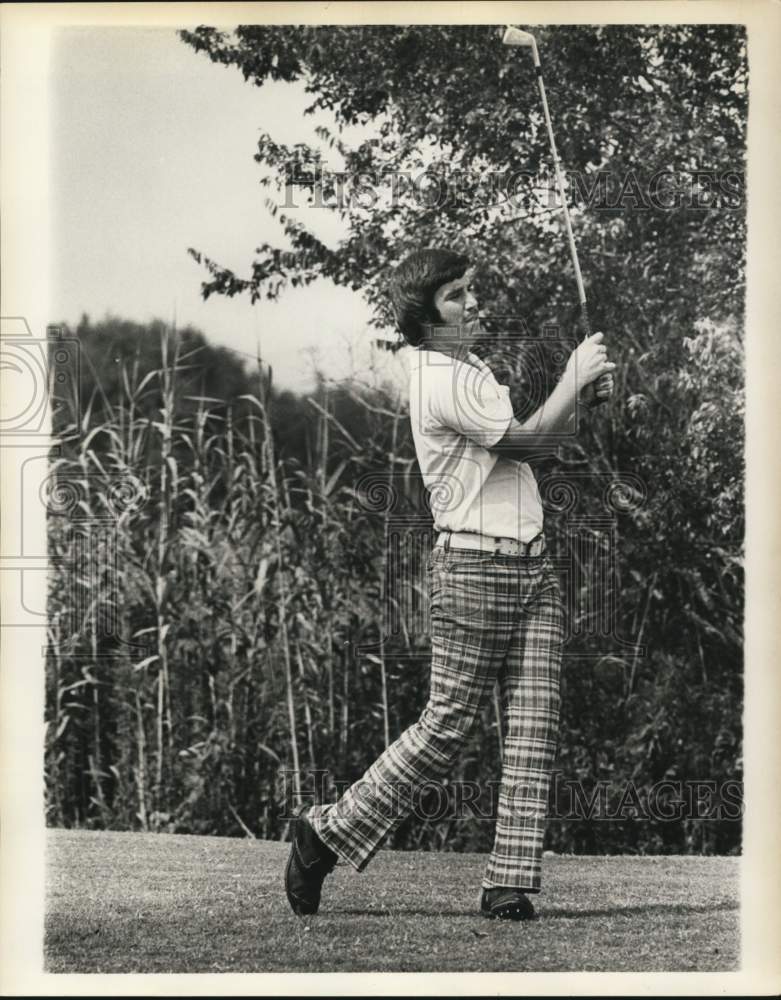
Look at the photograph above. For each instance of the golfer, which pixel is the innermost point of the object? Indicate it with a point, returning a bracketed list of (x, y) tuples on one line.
[(496, 610)]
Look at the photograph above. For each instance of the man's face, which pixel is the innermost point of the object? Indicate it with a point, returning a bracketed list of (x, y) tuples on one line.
[(457, 306)]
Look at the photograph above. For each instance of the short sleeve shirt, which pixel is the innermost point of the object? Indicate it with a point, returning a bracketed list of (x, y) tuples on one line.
[(458, 412)]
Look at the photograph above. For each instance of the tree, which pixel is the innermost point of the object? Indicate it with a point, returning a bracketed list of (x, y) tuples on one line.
[(650, 122), (638, 111)]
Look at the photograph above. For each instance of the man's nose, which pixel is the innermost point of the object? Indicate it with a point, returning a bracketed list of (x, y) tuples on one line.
[(471, 303)]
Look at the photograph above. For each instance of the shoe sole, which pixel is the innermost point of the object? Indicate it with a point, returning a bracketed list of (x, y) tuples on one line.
[(509, 911), (516, 915)]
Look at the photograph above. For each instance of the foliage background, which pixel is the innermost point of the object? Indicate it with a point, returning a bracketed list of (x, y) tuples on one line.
[(243, 552)]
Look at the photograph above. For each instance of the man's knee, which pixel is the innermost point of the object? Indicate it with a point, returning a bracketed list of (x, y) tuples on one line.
[(447, 725)]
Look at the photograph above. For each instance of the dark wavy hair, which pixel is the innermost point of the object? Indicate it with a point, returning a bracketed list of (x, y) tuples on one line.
[(413, 285)]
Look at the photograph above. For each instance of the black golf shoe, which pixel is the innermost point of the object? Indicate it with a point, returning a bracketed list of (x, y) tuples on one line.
[(506, 904), (309, 862)]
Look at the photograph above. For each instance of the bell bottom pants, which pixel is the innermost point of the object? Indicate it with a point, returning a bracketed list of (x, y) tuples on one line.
[(493, 617)]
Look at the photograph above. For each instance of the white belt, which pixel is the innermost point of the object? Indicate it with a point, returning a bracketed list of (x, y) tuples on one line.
[(486, 543)]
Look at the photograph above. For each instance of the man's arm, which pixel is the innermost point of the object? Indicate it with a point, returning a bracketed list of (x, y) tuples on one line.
[(543, 430)]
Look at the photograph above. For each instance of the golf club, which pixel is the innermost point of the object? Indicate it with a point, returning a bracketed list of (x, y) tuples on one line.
[(516, 38)]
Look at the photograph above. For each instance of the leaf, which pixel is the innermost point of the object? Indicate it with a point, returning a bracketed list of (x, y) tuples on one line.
[(145, 663), (148, 377), (144, 631), (260, 577), (334, 477)]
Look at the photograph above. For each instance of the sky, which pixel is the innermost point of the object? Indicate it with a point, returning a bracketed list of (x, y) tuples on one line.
[(151, 149)]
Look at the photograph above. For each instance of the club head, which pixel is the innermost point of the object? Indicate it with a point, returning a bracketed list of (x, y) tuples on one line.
[(514, 36)]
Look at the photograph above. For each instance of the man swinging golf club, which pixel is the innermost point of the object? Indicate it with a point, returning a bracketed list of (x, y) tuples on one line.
[(496, 610)]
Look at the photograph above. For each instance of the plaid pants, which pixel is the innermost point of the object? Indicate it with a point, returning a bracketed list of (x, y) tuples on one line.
[(492, 617)]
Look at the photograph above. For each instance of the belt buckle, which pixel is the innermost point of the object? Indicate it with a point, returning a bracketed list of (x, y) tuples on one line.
[(506, 547)]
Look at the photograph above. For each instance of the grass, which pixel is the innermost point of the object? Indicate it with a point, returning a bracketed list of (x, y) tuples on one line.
[(128, 902)]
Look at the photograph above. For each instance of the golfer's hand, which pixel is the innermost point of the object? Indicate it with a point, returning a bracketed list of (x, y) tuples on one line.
[(588, 362), (598, 391)]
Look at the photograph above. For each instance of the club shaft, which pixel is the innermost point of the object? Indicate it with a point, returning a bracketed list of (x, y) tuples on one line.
[(560, 182), (560, 185), (584, 316)]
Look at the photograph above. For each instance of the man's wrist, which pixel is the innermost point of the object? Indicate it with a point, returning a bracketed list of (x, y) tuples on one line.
[(570, 381), (587, 396)]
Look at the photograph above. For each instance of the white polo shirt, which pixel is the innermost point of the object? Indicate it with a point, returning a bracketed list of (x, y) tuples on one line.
[(458, 410)]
